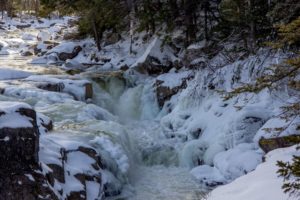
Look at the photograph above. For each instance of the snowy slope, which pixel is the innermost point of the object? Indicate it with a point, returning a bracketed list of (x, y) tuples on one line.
[(261, 184)]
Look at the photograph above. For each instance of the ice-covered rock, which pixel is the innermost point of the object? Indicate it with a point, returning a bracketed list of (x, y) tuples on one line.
[(76, 170), (208, 176), (44, 36), (157, 59), (169, 84), (80, 89)]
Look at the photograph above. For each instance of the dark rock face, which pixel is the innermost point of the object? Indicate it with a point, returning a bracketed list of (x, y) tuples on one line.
[(23, 26), (53, 87), (270, 144), (25, 187), (59, 173), (153, 66), (27, 53), (59, 87), (88, 91), (64, 56), (19, 146), (164, 93), (20, 173)]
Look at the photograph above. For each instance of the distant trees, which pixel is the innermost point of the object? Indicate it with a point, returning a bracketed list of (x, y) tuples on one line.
[(13, 6), (250, 21)]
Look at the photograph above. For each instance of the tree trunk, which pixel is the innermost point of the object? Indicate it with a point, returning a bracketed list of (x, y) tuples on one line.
[(96, 35)]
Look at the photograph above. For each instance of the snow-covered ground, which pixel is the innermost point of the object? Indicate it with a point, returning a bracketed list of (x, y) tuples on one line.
[(262, 183)]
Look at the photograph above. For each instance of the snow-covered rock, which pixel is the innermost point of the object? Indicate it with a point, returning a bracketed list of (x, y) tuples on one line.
[(157, 59), (80, 89), (44, 36)]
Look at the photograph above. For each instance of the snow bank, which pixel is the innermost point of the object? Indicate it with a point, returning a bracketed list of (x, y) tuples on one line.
[(11, 118), (263, 183)]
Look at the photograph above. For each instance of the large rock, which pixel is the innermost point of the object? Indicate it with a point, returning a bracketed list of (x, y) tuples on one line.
[(165, 90), (20, 174), (79, 89), (157, 59), (65, 55), (78, 167), (271, 144), (23, 26), (28, 186), (19, 137)]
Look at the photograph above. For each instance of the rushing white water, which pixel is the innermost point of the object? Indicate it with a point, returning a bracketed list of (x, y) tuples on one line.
[(154, 173)]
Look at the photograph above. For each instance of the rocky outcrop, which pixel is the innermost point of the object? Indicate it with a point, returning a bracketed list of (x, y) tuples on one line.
[(26, 53), (153, 66), (270, 144), (64, 55), (16, 153), (20, 173), (23, 26), (165, 92), (80, 178), (79, 89), (157, 59), (53, 87)]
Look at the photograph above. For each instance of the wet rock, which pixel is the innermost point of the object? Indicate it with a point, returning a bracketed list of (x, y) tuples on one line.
[(124, 67), (26, 53), (74, 71), (270, 144), (54, 87), (88, 90), (22, 26), (64, 56)]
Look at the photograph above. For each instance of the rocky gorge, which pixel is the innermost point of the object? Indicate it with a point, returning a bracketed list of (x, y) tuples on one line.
[(81, 124)]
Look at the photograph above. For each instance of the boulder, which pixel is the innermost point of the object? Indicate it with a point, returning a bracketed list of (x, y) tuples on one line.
[(80, 89), (54, 87), (28, 186), (165, 92), (26, 53), (81, 177), (65, 56), (18, 121), (157, 59), (22, 26), (271, 144), (20, 174)]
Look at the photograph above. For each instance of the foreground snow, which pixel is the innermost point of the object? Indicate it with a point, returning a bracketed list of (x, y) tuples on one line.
[(261, 184)]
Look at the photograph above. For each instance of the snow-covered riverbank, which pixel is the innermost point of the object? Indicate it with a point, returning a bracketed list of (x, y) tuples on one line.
[(160, 128)]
